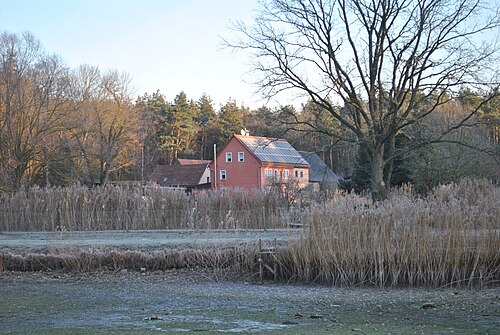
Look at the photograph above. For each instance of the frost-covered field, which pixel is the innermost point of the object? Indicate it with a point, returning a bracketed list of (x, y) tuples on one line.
[(205, 300), (141, 239), (184, 302)]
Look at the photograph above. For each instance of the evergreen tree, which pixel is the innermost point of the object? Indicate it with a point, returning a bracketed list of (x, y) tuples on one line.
[(207, 123), (264, 122), (154, 110), (181, 129), (231, 118)]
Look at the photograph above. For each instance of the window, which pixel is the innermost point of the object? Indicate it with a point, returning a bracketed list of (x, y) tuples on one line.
[(286, 174), (276, 175), (229, 157), (268, 173), (241, 156), (299, 173), (223, 175)]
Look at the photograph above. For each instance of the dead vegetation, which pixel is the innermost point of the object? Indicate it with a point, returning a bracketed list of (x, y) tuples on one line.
[(221, 259), (450, 237), (151, 207)]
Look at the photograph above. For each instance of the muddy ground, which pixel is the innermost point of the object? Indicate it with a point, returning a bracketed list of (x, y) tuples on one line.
[(188, 302)]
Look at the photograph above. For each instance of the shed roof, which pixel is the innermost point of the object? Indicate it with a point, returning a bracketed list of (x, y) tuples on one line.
[(181, 161), (272, 150), (178, 175), (318, 170)]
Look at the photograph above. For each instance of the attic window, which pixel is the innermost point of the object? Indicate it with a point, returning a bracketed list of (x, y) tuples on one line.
[(241, 156), (229, 157)]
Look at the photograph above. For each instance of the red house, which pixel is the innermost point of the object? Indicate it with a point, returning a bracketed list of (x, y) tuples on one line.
[(252, 163)]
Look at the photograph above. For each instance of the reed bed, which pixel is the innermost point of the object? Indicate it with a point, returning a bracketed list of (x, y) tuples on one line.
[(227, 259), (449, 237), (151, 207)]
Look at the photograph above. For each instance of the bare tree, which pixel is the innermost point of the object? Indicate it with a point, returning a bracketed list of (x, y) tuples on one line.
[(103, 124), (391, 63), (32, 94)]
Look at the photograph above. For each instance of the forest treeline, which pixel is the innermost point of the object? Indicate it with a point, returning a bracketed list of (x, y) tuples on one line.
[(60, 126)]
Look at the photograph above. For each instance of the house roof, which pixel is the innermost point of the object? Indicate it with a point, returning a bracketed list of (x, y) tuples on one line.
[(318, 170), (271, 150), (192, 161), (178, 175)]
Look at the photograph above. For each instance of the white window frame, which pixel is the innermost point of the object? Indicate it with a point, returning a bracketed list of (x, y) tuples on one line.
[(276, 175), (241, 156), (223, 175), (268, 173), (229, 157), (286, 174), (299, 173)]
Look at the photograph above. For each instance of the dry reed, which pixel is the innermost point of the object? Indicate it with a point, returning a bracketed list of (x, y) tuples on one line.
[(450, 237), (151, 207), (224, 259)]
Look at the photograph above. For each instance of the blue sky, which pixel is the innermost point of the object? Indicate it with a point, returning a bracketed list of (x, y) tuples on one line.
[(168, 45)]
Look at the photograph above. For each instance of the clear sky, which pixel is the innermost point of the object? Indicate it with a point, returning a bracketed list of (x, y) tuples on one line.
[(166, 45)]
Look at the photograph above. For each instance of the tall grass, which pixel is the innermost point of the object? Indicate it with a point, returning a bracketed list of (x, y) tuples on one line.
[(111, 208), (223, 259), (449, 237)]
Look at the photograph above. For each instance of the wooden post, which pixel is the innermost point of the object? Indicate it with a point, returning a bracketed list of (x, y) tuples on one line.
[(265, 255), (263, 217), (261, 269)]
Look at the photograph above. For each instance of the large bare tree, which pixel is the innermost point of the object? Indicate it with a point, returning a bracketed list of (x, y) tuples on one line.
[(391, 63)]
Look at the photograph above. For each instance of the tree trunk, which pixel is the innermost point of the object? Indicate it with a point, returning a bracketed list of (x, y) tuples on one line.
[(203, 145), (389, 151), (379, 187)]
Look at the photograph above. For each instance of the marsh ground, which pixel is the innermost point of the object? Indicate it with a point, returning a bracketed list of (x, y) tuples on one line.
[(187, 302), (197, 301)]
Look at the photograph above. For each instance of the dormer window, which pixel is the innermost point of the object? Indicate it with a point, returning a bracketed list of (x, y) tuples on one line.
[(229, 157)]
